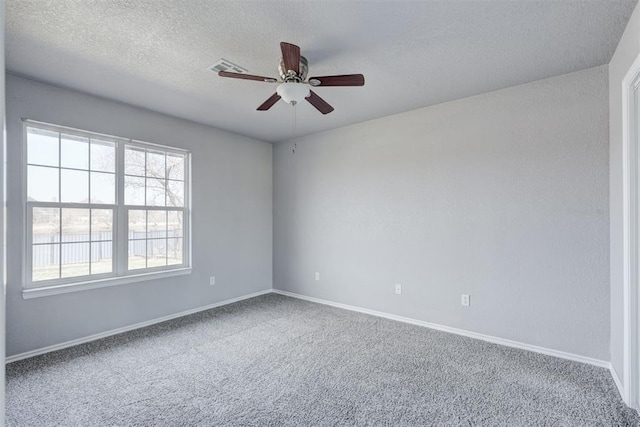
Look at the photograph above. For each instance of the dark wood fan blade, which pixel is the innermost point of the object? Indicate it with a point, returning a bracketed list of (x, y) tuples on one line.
[(269, 102), (319, 103), (247, 77), (344, 80), (290, 56)]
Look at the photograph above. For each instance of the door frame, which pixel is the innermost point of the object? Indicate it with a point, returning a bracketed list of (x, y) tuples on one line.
[(631, 235)]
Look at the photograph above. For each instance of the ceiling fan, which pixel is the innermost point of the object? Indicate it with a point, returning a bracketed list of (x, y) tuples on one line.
[(293, 88)]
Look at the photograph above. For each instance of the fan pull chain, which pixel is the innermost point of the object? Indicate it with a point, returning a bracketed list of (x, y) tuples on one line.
[(293, 121), (293, 126)]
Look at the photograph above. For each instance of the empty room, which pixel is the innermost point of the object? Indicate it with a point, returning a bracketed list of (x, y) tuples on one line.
[(320, 213)]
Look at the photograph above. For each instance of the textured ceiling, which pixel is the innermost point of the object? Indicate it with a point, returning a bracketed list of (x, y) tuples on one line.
[(156, 53)]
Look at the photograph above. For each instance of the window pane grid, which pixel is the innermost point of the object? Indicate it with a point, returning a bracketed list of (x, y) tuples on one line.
[(67, 188), (163, 229), (73, 170), (64, 243), (153, 178)]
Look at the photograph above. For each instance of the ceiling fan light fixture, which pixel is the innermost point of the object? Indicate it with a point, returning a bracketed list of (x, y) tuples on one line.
[(292, 93)]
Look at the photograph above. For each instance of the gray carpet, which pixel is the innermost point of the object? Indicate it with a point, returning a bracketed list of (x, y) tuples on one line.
[(278, 361)]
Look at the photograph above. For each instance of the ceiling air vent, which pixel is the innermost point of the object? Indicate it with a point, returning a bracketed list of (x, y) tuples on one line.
[(225, 65)]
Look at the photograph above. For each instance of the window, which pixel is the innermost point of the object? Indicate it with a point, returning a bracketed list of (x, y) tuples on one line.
[(100, 207)]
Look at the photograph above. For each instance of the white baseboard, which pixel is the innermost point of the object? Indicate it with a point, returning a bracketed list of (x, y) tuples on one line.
[(619, 385), (624, 393), (476, 335), (94, 337), (488, 338)]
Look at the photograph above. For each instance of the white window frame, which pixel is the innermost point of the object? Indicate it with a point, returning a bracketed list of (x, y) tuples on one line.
[(120, 274)]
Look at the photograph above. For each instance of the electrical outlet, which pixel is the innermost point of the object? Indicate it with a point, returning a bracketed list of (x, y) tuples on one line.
[(212, 280), (466, 300), (398, 289), (317, 276)]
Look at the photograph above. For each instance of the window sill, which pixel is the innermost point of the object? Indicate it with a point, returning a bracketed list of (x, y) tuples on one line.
[(103, 283)]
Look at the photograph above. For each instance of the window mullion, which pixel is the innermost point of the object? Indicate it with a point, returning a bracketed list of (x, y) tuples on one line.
[(91, 210), (59, 209), (59, 243), (29, 243), (121, 227)]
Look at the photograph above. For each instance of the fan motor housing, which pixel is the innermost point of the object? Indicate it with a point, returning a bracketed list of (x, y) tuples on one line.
[(292, 77)]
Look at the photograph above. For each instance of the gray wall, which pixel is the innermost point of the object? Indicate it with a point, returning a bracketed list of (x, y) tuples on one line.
[(231, 219), (503, 196), (627, 51)]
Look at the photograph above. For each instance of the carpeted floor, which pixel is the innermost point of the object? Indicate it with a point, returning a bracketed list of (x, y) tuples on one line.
[(278, 361)]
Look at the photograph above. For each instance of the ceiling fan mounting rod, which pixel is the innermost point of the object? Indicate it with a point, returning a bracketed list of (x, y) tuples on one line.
[(291, 75)]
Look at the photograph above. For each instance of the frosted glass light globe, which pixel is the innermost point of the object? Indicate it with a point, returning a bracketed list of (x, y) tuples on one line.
[(292, 93)]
